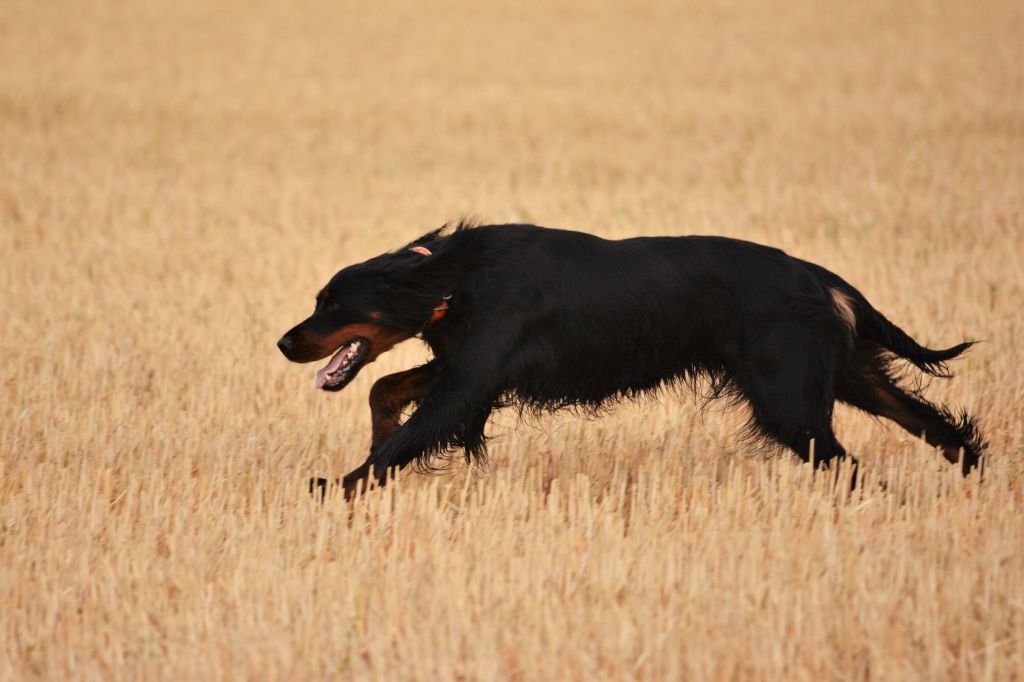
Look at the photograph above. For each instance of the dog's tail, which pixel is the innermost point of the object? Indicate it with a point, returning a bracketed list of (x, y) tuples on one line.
[(874, 326)]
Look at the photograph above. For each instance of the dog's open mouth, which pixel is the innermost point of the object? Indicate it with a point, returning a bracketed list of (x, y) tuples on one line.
[(344, 366)]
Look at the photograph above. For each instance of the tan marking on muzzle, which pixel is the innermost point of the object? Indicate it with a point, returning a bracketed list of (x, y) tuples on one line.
[(381, 338), (844, 306)]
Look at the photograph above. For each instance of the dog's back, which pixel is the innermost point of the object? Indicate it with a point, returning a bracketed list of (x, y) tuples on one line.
[(599, 318)]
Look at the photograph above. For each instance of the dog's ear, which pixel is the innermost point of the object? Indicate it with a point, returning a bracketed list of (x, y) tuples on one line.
[(422, 273)]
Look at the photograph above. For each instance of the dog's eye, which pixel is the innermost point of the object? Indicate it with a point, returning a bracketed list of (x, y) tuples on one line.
[(326, 304)]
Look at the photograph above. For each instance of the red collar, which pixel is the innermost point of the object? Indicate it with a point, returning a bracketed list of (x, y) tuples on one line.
[(440, 310)]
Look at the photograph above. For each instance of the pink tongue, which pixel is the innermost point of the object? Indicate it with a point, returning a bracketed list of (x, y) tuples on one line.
[(332, 366)]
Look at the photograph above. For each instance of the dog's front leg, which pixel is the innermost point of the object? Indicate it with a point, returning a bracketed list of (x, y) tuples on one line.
[(455, 409), (453, 413), (392, 394), (388, 397), (349, 483)]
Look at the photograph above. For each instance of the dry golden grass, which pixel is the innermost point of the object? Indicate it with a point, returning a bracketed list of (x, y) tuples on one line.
[(177, 179)]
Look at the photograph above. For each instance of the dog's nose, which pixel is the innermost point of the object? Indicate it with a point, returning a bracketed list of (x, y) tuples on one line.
[(285, 344)]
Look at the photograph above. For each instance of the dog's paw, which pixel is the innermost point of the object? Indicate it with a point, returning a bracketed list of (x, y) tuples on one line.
[(318, 488)]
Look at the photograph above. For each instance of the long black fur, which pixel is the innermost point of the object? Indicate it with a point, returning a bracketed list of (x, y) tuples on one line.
[(549, 319)]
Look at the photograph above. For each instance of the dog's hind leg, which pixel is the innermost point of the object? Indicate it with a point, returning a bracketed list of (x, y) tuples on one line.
[(789, 390), (868, 384), (804, 428)]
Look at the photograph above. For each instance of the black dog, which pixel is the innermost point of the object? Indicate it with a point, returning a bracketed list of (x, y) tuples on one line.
[(547, 319)]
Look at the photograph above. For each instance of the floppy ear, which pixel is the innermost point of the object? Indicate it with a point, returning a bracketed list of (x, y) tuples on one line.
[(422, 273)]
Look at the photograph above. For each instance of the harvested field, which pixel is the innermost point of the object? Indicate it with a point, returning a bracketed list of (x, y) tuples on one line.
[(178, 179)]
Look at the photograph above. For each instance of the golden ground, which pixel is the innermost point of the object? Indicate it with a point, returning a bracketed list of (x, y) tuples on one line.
[(178, 179)]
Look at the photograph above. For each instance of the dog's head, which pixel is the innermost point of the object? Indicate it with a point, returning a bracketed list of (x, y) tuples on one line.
[(365, 310)]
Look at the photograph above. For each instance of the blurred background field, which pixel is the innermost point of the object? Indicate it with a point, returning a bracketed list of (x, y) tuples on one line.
[(178, 179)]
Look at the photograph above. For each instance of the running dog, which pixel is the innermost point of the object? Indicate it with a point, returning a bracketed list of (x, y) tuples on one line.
[(548, 319)]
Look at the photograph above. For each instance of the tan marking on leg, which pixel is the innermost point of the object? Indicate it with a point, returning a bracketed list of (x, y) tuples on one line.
[(896, 411), (892, 408), (391, 394)]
